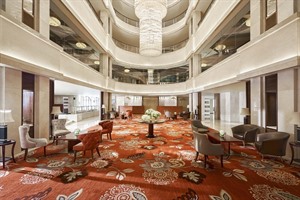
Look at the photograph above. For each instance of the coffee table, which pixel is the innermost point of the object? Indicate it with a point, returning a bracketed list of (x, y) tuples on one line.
[(214, 136)]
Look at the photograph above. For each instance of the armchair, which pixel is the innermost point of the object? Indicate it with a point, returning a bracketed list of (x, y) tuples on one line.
[(89, 141), (59, 128), (204, 146), (272, 143), (27, 142), (129, 114), (198, 126), (246, 132), (168, 114), (107, 127)]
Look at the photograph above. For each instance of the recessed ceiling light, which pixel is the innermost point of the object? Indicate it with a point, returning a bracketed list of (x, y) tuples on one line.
[(96, 62), (53, 21), (220, 47), (203, 65), (248, 22), (126, 70), (81, 45)]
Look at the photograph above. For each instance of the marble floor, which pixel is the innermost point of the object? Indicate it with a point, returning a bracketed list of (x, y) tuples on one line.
[(215, 124)]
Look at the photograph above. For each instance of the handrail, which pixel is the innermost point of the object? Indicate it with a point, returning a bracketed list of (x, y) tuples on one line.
[(136, 23), (135, 49)]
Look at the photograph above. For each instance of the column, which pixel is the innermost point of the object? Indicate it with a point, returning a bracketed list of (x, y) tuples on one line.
[(14, 9), (106, 21), (285, 9), (196, 65), (105, 64), (43, 18), (150, 76), (255, 19), (41, 107), (195, 104)]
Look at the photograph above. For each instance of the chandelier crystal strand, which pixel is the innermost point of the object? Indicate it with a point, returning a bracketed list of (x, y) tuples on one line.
[(150, 13)]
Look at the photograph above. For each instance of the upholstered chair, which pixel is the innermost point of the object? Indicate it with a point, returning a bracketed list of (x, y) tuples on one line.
[(246, 132), (59, 128), (168, 114), (272, 143), (198, 126), (204, 146), (89, 141), (107, 127), (128, 114), (27, 142)]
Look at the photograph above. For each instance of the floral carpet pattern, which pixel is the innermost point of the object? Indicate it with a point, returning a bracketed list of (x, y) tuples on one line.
[(134, 167)]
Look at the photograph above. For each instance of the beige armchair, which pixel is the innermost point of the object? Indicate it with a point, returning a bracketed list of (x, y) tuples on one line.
[(27, 142), (59, 128), (204, 146), (272, 143), (246, 132)]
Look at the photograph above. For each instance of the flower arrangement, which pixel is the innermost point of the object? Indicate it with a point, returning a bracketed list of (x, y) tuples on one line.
[(151, 115)]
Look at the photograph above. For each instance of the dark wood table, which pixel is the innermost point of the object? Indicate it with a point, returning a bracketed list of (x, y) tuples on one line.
[(151, 127), (3, 144), (214, 136), (292, 146)]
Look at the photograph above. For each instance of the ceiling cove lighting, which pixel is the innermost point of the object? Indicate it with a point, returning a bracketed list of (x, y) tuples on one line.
[(150, 14)]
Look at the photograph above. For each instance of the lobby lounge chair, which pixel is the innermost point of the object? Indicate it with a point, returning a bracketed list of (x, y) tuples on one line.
[(59, 128), (246, 132), (272, 143), (107, 127)]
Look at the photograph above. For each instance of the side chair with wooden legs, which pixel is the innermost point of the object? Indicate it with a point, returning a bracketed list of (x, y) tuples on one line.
[(89, 141)]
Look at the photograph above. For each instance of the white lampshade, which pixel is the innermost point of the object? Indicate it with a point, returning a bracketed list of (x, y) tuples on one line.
[(103, 106), (56, 110), (295, 118), (245, 111), (6, 117)]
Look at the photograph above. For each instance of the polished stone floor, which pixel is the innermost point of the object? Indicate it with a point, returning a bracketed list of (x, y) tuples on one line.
[(215, 124)]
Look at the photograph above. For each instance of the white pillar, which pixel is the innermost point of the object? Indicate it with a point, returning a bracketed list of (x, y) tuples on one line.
[(14, 9), (44, 14)]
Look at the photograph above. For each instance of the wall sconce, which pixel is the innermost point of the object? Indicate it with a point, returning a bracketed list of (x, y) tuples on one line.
[(246, 112), (56, 111), (295, 119), (5, 117)]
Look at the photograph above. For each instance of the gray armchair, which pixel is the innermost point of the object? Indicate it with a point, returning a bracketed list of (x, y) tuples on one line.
[(272, 143), (204, 146), (246, 132), (198, 126)]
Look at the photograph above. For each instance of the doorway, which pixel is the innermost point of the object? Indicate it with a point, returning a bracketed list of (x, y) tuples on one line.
[(271, 103)]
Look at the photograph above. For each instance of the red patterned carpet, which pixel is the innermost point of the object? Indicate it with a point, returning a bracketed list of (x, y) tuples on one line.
[(132, 166)]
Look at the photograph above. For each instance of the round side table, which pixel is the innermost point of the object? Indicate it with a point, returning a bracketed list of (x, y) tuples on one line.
[(293, 145)]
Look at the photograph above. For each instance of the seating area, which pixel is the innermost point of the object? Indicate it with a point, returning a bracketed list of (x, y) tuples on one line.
[(59, 128)]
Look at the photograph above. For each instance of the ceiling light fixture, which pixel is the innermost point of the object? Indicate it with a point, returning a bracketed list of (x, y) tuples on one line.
[(53, 21), (126, 70), (248, 22), (220, 47), (81, 45), (150, 14), (96, 62)]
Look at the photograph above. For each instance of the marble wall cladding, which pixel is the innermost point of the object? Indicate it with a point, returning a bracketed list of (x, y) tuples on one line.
[(256, 101), (285, 9), (14, 9), (13, 101)]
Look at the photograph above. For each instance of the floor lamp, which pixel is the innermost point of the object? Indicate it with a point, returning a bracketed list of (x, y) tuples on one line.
[(5, 117), (246, 113)]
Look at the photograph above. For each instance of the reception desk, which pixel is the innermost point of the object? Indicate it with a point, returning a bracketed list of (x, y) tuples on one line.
[(79, 116), (134, 109)]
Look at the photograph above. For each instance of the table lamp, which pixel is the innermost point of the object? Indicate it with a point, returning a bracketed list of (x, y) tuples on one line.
[(245, 111), (55, 111), (295, 119), (5, 117)]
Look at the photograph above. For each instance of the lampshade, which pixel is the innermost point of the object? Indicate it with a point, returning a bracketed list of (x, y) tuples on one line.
[(56, 110), (295, 118), (245, 111), (103, 106), (6, 117)]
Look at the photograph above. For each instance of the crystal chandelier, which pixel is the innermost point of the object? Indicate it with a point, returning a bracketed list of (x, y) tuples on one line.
[(150, 13)]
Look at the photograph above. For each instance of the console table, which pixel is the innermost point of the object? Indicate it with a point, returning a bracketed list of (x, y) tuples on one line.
[(3, 144)]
